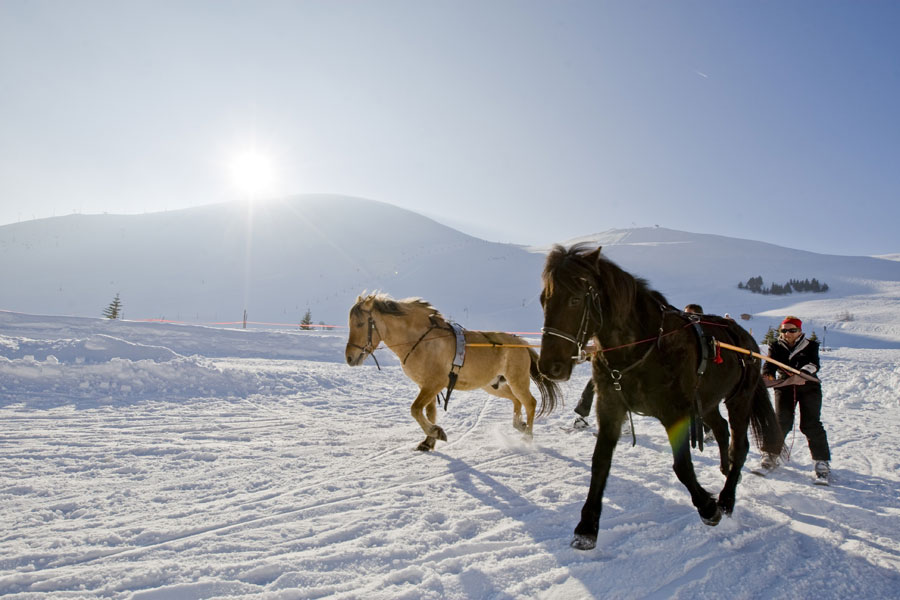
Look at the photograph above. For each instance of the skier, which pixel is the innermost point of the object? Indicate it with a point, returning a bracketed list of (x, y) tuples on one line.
[(794, 349)]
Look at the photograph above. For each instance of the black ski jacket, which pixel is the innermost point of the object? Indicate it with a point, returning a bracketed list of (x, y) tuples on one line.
[(804, 356)]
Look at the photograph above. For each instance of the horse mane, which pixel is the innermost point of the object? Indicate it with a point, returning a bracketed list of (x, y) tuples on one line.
[(570, 268), (386, 305)]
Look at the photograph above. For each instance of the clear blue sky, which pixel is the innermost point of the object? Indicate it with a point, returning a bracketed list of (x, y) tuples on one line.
[(532, 122)]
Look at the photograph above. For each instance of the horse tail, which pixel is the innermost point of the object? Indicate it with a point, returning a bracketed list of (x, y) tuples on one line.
[(764, 424), (550, 392)]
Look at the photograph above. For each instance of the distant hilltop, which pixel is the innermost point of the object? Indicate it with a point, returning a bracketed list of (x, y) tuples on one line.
[(316, 253)]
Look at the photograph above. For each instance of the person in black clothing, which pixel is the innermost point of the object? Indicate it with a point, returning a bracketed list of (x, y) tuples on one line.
[(587, 395), (794, 349)]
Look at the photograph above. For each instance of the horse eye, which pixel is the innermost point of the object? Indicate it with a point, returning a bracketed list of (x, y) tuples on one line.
[(574, 301)]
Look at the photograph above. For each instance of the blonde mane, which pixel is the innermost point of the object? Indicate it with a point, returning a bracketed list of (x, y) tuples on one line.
[(386, 305)]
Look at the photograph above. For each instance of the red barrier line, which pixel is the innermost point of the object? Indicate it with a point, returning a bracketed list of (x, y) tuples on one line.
[(311, 326), (291, 325)]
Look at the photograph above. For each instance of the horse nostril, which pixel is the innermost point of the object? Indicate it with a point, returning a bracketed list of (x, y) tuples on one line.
[(551, 369), (556, 369)]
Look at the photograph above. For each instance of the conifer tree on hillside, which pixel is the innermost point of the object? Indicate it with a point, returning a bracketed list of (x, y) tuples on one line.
[(306, 321), (114, 310)]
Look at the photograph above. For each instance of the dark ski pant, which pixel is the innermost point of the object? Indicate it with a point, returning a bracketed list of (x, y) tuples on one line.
[(809, 399), (587, 399)]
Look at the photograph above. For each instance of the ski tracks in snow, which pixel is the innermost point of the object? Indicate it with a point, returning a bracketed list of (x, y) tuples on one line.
[(315, 490)]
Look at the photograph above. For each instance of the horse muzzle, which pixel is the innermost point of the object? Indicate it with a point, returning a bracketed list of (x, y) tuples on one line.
[(556, 370), (355, 356)]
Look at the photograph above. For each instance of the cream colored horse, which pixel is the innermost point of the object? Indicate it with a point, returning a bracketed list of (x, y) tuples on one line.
[(499, 363)]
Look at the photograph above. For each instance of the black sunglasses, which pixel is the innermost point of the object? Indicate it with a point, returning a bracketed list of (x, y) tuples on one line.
[(790, 330)]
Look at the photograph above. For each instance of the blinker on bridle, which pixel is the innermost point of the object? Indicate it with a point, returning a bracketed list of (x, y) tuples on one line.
[(591, 300)]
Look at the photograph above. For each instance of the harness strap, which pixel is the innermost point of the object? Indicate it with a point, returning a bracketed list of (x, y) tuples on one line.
[(416, 345), (458, 361)]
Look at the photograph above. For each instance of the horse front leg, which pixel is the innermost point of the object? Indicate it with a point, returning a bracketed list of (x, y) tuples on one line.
[(424, 411), (610, 427), (679, 439)]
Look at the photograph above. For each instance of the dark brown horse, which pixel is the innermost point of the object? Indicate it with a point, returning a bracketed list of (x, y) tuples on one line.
[(651, 360)]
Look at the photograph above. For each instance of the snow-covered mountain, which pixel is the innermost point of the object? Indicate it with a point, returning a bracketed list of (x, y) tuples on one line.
[(318, 252), (277, 260)]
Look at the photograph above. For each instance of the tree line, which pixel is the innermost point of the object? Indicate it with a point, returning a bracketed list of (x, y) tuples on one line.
[(757, 286)]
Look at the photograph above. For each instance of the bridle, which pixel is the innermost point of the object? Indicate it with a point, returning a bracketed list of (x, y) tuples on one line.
[(591, 301), (369, 348)]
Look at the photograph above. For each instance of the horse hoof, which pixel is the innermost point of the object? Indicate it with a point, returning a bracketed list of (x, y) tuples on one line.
[(727, 507), (583, 542), (438, 433), (427, 445), (714, 519)]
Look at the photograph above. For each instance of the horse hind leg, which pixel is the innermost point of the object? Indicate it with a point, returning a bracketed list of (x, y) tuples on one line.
[(679, 439), (739, 417), (502, 390), (719, 428), (521, 389)]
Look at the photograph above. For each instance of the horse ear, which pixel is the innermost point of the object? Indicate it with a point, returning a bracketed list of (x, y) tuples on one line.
[(594, 256), (365, 300)]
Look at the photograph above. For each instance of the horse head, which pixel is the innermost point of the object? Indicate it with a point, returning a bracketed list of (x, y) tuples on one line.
[(572, 309), (363, 335)]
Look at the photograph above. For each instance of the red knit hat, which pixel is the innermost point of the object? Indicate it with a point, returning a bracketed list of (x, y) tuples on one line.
[(793, 321)]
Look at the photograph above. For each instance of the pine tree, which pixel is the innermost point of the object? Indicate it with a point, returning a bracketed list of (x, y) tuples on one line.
[(114, 310), (771, 336), (306, 321)]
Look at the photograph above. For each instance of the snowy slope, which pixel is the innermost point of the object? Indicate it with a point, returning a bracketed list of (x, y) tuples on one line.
[(315, 252), (155, 461), (318, 252)]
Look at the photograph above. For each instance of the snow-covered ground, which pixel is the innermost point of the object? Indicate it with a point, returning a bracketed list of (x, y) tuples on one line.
[(158, 461)]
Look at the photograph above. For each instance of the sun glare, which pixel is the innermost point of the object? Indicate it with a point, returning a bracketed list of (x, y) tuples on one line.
[(253, 173)]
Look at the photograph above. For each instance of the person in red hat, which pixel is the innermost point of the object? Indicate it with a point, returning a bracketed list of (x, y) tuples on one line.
[(794, 349)]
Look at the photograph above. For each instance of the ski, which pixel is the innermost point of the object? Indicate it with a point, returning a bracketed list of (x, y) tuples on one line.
[(574, 429)]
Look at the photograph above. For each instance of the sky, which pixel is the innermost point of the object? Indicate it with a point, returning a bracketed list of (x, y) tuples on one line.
[(518, 121)]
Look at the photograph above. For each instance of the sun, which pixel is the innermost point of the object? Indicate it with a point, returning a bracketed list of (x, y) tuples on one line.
[(252, 173)]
